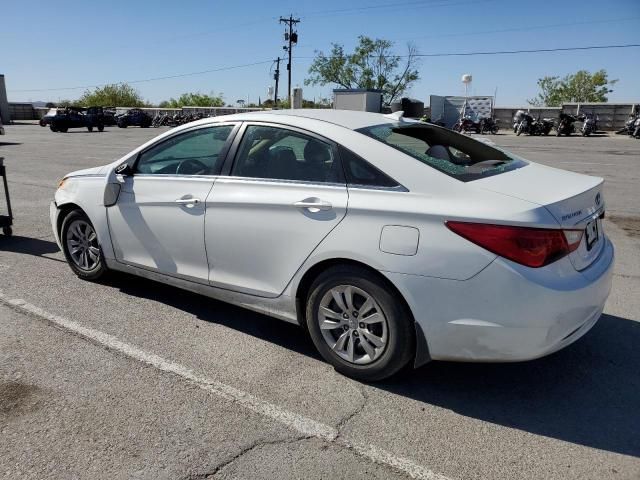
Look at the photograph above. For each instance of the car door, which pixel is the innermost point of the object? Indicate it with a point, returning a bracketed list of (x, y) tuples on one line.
[(284, 194), (158, 220)]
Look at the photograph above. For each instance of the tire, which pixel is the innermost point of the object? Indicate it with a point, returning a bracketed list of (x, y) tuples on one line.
[(74, 226), (53, 128), (101, 128), (90, 128), (42, 123), (8, 231), (390, 340), (519, 130), (122, 125)]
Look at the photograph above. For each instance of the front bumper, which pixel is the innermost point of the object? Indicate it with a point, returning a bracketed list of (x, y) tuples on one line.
[(508, 312), (53, 217)]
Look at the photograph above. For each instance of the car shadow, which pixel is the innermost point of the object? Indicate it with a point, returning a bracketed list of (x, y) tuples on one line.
[(587, 394), (278, 332), (29, 246), (8, 144)]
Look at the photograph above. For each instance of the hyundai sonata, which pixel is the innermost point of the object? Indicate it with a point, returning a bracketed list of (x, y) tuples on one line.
[(391, 241)]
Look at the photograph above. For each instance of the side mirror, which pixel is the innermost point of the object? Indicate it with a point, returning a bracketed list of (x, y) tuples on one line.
[(112, 185), (124, 169)]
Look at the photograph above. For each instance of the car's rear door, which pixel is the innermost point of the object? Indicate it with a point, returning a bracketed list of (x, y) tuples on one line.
[(284, 193), (158, 220)]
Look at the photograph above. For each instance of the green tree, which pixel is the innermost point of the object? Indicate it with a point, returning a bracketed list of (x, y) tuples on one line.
[(372, 65), (582, 86), (194, 99), (114, 95)]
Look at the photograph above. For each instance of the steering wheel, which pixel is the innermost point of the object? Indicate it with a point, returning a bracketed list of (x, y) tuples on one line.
[(191, 166)]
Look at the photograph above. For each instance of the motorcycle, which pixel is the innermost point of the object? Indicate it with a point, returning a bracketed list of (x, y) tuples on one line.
[(544, 126), (636, 130), (629, 125), (565, 124), (589, 124), (489, 124), (517, 118), (465, 125)]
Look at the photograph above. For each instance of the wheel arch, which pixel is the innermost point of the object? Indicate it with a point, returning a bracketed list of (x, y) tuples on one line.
[(65, 210), (421, 354)]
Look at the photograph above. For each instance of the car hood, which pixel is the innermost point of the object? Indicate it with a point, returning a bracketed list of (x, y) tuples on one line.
[(88, 171)]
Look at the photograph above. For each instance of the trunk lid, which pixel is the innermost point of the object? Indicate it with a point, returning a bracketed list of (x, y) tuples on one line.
[(575, 201)]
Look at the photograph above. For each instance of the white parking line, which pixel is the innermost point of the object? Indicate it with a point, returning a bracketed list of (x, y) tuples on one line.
[(299, 423)]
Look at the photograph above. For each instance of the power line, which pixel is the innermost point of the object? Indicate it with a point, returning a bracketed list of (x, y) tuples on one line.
[(501, 52), (179, 75), (525, 28), (444, 54), (413, 4)]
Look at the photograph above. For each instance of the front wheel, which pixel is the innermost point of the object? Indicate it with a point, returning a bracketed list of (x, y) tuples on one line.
[(90, 128), (519, 130), (80, 246), (358, 325)]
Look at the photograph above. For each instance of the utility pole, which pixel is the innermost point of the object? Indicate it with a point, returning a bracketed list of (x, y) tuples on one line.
[(276, 77), (292, 38)]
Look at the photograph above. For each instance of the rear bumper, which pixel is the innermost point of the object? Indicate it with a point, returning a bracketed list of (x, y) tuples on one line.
[(507, 312)]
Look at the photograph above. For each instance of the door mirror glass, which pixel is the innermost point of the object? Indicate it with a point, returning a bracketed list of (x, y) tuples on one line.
[(124, 169)]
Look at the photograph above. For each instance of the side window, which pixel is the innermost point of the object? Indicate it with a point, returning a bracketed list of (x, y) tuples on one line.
[(281, 154), (359, 172), (193, 153)]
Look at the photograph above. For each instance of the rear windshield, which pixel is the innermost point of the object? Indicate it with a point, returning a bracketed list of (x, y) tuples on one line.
[(449, 152)]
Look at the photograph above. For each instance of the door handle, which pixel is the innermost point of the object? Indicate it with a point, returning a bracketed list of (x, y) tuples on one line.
[(313, 204), (188, 202)]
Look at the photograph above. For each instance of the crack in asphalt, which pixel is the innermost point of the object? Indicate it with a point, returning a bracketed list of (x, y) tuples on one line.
[(357, 411), (244, 451)]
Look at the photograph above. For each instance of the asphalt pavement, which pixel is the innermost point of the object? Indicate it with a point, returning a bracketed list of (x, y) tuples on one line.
[(128, 378)]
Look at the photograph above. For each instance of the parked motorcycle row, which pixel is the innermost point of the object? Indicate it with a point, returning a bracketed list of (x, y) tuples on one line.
[(523, 122), (166, 120), (484, 125)]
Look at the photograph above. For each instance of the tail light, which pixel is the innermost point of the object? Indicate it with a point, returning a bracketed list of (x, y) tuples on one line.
[(532, 247)]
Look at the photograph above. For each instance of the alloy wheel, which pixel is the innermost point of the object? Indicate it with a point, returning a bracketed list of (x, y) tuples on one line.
[(353, 324), (82, 244)]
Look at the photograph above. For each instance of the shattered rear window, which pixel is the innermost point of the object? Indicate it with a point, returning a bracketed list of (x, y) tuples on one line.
[(449, 152)]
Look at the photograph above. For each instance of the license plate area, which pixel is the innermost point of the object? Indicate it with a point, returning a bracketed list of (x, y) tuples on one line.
[(592, 233)]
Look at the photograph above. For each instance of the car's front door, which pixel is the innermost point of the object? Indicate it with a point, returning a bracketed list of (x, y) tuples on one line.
[(158, 220), (284, 194)]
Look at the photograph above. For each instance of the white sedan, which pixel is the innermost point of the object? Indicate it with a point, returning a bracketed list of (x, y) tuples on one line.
[(391, 241)]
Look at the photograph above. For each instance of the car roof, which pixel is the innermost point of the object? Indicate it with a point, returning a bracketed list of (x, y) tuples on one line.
[(350, 119)]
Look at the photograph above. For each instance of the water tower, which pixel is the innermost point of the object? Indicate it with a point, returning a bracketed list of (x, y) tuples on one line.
[(466, 79)]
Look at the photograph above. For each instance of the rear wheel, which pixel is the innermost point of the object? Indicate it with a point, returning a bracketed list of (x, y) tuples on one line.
[(358, 325), (90, 128), (80, 246)]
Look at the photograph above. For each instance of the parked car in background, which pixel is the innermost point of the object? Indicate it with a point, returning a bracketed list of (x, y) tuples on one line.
[(46, 120), (74, 117), (134, 117), (391, 241)]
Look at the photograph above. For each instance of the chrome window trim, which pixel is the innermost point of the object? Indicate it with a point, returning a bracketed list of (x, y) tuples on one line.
[(284, 181)]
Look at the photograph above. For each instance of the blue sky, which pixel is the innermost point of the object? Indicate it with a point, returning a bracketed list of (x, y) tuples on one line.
[(49, 45)]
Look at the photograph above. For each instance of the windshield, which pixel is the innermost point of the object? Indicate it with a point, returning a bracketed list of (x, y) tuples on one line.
[(448, 152)]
